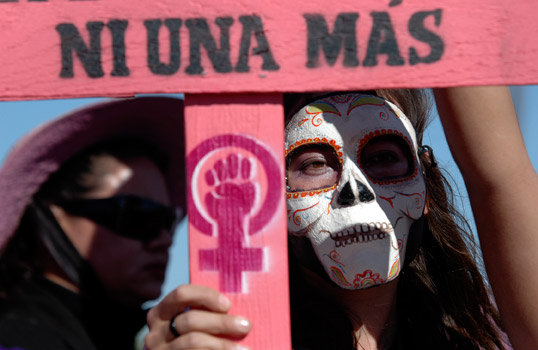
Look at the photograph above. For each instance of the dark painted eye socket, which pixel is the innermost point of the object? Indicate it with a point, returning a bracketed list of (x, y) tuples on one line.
[(312, 166), (386, 157)]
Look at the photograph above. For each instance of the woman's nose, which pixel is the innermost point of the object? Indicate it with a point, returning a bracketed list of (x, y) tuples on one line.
[(163, 241), (346, 197)]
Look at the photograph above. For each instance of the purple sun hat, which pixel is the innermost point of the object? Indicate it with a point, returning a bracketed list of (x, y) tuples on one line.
[(155, 120)]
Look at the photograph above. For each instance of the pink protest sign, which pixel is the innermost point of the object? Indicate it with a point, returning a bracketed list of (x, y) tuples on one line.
[(237, 229), (70, 48), (67, 48)]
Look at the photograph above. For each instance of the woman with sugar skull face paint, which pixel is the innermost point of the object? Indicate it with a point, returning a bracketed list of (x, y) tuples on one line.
[(377, 241), (354, 186), (379, 258)]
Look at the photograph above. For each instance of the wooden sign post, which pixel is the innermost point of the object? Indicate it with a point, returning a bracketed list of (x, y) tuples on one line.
[(233, 60), (237, 230)]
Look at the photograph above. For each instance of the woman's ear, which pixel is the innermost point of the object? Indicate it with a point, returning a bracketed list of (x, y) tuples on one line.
[(426, 207)]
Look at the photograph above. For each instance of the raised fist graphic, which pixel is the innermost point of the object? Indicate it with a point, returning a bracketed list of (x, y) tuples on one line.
[(232, 197)]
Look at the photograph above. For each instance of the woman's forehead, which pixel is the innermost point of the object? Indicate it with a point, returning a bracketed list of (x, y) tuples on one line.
[(348, 115), (296, 101)]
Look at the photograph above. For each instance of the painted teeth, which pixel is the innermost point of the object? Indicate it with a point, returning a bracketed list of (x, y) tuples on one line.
[(361, 233), (359, 239)]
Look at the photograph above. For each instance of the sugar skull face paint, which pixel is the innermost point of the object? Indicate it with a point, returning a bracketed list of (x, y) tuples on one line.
[(354, 186)]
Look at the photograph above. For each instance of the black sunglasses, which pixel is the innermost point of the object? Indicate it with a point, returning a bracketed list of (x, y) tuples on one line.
[(126, 215)]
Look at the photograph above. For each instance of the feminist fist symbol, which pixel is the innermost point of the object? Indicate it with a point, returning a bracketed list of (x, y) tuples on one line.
[(229, 204), (233, 196)]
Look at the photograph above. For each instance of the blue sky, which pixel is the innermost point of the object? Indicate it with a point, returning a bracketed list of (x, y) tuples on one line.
[(17, 118)]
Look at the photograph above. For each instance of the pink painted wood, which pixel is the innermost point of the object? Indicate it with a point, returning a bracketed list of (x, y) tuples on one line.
[(237, 227), (62, 48), (134, 46)]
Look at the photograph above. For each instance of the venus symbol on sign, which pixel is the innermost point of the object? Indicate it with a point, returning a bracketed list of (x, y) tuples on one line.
[(235, 192)]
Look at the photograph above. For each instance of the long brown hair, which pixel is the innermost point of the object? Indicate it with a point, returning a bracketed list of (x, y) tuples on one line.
[(443, 301)]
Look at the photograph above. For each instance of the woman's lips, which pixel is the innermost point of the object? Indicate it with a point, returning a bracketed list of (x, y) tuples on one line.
[(157, 267)]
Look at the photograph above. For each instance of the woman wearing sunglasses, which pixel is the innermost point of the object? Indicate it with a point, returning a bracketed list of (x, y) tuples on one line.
[(385, 263), (89, 203)]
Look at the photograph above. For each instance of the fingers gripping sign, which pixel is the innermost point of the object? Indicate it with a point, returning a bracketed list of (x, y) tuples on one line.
[(229, 204), (200, 318)]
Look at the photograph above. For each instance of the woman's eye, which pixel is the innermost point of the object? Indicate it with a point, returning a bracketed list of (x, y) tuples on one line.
[(383, 158), (386, 158), (312, 167)]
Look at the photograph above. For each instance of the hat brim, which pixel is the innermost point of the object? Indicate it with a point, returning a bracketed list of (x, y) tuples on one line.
[(155, 120)]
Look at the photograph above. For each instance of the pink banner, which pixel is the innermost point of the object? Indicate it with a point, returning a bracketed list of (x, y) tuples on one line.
[(62, 48)]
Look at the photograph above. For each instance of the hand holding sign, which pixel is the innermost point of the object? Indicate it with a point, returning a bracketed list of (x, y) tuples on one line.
[(200, 316)]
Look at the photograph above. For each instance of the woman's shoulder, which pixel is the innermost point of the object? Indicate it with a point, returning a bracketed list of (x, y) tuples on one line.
[(22, 331), (34, 318)]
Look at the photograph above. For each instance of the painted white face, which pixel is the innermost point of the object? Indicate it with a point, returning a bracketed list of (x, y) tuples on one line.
[(354, 186)]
